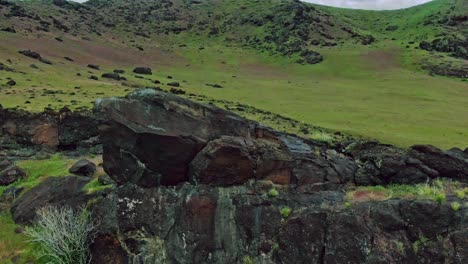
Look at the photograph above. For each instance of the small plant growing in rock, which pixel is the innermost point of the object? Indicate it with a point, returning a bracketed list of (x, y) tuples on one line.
[(348, 204), (440, 198), (418, 243), (455, 206), (460, 194), (400, 247), (63, 235), (248, 260), (273, 192), (285, 212)]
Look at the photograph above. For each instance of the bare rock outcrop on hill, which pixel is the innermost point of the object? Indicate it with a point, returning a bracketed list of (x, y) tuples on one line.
[(198, 184)]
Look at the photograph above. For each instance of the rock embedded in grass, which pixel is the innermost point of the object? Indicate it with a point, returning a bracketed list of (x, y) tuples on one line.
[(174, 84), (93, 66), (11, 83), (83, 167), (112, 75), (143, 70), (10, 175)]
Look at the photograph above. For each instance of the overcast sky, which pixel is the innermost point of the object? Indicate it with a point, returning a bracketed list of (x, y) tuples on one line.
[(370, 4), (362, 4)]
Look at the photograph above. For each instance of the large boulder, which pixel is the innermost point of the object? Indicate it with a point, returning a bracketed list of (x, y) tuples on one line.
[(54, 191), (150, 137)]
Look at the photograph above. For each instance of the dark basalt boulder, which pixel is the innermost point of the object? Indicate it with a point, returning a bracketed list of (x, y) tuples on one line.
[(83, 167), (174, 84), (11, 83), (54, 191), (150, 137), (143, 70), (112, 75), (93, 66)]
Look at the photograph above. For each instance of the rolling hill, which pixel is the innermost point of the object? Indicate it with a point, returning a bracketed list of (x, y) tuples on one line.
[(366, 73)]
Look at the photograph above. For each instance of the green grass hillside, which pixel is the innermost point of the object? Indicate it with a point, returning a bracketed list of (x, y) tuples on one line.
[(377, 90)]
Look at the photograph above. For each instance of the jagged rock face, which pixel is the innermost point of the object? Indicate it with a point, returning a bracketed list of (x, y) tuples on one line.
[(197, 184), (194, 181), (64, 130), (202, 224)]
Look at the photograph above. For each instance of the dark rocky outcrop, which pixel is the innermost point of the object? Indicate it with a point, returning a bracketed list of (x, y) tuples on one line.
[(35, 55), (65, 130), (198, 184), (83, 167)]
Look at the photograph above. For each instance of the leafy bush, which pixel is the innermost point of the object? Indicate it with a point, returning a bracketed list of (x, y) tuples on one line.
[(455, 206), (285, 212), (273, 192), (63, 235)]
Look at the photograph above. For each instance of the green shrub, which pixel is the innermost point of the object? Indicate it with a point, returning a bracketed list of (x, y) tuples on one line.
[(63, 235), (440, 198), (455, 206), (285, 212), (273, 192), (460, 194), (248, 260)]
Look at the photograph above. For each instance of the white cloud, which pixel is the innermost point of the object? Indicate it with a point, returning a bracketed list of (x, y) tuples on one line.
[(370, 4)]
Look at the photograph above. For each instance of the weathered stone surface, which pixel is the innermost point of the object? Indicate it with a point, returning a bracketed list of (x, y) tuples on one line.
[(83, 167), (385, 164), (151, 137), (53, 191), (451, 164), (223, 162), (205, 224), (65, 130)]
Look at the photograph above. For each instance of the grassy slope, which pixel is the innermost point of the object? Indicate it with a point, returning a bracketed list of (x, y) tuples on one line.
[(364, 90)]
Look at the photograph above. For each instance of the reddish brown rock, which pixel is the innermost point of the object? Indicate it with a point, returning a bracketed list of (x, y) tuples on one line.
[(46, 134), (223, 162)]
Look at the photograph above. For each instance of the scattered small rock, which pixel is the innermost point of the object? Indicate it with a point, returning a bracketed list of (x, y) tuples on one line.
[(92, 66), (143, 70), (174, 84), (93, 77), (112, 75), (177, 91)]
